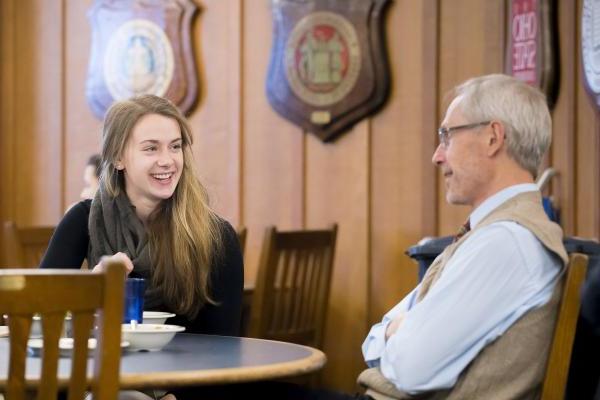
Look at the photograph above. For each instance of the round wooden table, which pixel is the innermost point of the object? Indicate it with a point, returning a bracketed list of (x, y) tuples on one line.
[(191, 359)]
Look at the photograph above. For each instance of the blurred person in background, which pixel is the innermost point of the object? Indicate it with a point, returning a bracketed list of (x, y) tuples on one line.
[(91, 177)]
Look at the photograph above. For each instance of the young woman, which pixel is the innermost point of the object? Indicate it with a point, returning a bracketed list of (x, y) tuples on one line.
[(152, 212)]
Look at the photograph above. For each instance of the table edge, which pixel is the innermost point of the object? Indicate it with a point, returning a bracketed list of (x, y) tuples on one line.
[(143, 380), (315, 361)]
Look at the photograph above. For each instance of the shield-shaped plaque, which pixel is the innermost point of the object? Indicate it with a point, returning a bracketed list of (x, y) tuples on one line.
[(328, 66), (141, 47), (531, 44), (590, 49)]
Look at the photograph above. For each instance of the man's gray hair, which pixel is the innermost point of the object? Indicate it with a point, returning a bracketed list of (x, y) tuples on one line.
[(520, 107)]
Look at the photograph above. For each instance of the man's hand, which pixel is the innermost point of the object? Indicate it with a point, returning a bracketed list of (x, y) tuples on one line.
[(119, 257), (394, 325)]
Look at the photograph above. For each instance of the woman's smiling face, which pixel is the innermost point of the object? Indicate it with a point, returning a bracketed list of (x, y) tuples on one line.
[(152, 160)]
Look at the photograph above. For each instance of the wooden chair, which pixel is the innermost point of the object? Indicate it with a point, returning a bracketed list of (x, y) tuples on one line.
[(25, 247), (241, 234), (557, 370), (291, 295), (51, 293)]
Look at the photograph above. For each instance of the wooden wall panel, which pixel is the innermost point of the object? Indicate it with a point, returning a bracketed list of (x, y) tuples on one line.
[(83, 130), (563, 118), (7, 111), (471, 33), (586, 167), (337, 190), (403, 147), (7, 107), (38, 105), (273, 152), (216, 119)]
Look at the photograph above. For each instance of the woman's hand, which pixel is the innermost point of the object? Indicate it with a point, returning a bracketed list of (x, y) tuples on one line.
[(118, 257)]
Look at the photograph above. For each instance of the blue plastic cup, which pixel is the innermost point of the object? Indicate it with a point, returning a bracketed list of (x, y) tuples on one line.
[(134, 300)]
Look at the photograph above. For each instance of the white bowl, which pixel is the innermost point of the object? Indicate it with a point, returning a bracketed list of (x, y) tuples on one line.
[(150, 337), (156, 317)]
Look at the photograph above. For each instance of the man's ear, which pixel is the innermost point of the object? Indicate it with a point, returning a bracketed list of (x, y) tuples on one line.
[(495, 138)]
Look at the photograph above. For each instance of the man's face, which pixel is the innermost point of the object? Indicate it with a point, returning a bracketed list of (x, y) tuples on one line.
[(463, 162)]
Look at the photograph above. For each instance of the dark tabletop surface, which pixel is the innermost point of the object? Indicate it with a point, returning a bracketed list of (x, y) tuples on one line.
[(197, 359)]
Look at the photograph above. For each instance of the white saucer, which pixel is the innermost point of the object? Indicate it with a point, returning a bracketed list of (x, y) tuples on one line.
[(156, 317), (65, 345)]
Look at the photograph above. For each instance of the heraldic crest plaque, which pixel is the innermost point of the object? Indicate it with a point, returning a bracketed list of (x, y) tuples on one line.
[(530, 44), (141, 47), (590, 49), (328, 66)]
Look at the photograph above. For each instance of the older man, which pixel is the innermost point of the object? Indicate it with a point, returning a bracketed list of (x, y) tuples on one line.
[(480, 323)]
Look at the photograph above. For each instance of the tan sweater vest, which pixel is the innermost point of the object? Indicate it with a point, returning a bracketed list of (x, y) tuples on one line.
[(513, 366)]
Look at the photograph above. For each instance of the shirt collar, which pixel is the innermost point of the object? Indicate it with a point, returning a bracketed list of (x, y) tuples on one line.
[(493, 202)]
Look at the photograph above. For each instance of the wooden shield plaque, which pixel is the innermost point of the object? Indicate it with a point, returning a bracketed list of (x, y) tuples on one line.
[(328, 67), (141, 47), (531, 44), (590, 49)]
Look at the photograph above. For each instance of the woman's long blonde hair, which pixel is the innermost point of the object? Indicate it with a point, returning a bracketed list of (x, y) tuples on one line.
[(183, 233)]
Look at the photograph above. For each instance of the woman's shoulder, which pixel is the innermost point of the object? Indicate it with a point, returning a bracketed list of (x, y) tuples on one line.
[(79, 209), (76, 218), (229, 244), (224, 226), (85, 205)]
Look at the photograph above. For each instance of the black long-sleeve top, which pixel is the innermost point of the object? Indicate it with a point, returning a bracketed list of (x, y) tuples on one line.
[(69, 245)]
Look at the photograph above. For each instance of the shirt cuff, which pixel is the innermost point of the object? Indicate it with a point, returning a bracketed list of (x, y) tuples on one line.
[(374, 345)]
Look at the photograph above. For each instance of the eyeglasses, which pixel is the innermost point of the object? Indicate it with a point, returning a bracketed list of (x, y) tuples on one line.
[(445, 133)]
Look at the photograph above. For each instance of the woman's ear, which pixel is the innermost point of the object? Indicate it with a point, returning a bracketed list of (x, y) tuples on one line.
[(119, 165)]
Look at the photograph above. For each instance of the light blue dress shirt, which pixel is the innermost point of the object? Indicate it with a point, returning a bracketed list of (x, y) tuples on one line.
[(500, 272)]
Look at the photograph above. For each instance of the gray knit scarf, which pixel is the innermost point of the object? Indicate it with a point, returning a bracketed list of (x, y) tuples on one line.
[(114, 227)]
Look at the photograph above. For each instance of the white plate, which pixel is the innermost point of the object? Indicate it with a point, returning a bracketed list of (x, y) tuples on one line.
[(152, 328), (3, 331), (156, 317), (65, 345)]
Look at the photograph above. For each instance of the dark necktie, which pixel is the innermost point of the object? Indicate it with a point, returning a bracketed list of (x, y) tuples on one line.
[(466, 227), (434, 271)]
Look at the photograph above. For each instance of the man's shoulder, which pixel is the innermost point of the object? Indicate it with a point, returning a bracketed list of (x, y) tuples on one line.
[(513, 233), (504, 230), (509, 241), (502, 239)]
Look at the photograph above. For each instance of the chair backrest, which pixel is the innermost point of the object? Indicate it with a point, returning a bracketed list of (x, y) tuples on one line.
[(25, 247), (241, 234), (291, 295), (51, 293), (557, 369)]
